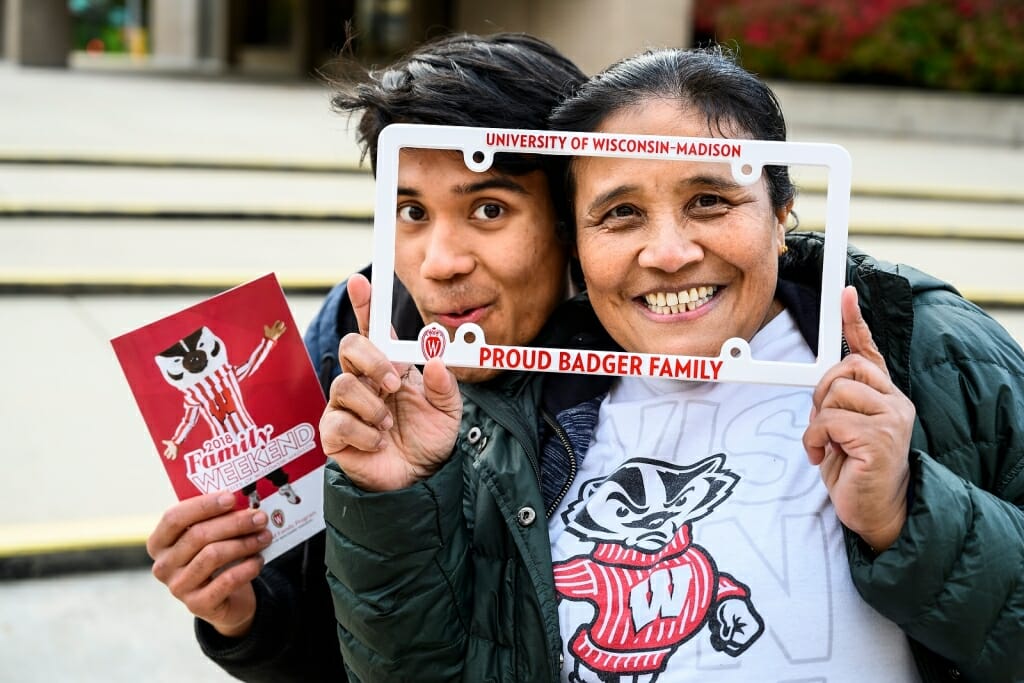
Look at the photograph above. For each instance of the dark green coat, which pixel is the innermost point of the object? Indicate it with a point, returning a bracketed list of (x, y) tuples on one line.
[(451, 579)]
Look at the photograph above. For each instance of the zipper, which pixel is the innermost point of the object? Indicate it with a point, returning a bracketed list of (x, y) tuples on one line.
[(564, 438)]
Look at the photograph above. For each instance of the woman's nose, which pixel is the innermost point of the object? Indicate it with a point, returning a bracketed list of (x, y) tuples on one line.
[(669, 247)]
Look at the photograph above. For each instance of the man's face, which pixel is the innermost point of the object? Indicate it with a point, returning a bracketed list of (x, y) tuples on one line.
[(477, 248)]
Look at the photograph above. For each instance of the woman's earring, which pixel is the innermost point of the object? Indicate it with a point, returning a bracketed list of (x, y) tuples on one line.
[(783, 249)]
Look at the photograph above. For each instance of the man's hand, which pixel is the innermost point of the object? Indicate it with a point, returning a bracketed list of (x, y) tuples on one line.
[(859, 436), (206, 553), (387, 425)]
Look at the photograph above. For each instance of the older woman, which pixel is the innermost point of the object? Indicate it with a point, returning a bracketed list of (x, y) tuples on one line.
[(689, 537)]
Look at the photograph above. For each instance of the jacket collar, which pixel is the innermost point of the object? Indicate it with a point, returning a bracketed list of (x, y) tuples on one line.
[(886, 293)]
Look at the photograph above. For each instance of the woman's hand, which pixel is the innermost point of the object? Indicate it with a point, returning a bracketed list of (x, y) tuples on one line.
[(386, 424), (859, 436)]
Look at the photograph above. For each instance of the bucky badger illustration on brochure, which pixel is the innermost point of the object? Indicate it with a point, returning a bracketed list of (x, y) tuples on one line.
[(198, 366), (652, 587)]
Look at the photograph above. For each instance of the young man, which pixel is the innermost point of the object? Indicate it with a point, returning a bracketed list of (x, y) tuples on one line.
[(472, 248)]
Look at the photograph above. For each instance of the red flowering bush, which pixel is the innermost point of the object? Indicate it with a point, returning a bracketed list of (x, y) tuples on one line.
[(954, 44)]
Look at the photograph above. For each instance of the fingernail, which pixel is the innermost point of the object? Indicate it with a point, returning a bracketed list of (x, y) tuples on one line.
[(259, 518), (264, 537), (392, 382), (226, 500), (387, 423)]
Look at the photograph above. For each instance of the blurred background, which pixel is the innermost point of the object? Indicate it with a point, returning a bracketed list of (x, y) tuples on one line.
[(155, 152)]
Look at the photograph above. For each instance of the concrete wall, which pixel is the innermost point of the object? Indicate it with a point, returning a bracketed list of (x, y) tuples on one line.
[(593, 33), (174, 32), (36, 32)]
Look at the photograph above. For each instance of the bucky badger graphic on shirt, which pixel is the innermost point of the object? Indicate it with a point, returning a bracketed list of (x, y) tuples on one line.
[(652, 588)]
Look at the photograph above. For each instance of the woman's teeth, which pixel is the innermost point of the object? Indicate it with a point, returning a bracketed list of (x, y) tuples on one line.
[(664, 303)]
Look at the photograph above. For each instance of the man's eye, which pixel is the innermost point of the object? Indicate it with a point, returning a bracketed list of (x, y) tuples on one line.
[(488, 211), (411, 213)]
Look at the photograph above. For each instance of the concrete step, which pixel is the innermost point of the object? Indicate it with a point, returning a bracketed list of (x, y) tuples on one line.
[(986, 272), (65, 344), (921, 218), (932, 168), (138, 117), (208, 253), (110, 190), (87, 618)]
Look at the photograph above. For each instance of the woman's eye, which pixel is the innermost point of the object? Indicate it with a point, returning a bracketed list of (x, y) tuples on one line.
[(411, 213), (488, 211), (707, 201), (623, 211)]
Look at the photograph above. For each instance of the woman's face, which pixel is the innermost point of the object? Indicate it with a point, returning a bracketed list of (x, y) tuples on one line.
[(678, 256)]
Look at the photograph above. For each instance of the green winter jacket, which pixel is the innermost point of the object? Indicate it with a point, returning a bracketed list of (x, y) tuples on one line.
[(451, 579)]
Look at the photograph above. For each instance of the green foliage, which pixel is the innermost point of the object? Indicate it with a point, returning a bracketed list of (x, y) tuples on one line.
[(975, 45)]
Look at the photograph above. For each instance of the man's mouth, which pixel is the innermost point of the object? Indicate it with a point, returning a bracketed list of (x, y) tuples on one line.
[(455, 318), (667, 303)]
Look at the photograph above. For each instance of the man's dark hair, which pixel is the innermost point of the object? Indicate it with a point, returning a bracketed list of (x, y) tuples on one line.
[(504, 80), (709, 79)]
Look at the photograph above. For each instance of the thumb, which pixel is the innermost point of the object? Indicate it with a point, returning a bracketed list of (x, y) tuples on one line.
[(856, 331), (359, 291), (440, 388)]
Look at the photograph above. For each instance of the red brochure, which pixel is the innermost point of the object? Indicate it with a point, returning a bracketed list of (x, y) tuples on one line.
[(232, 402)]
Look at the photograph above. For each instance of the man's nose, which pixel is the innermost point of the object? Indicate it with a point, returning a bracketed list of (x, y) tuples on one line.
[(448, 253), (669, 246)]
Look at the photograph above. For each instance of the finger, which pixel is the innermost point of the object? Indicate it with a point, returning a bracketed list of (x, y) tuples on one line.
[(192, 543), (360, 293), (831, 466), (858, 369), (814, 440), (358, 356), (180, 516), (214, 558), (856, 331), (351, 393), (440, 387), (209, 601), (855, 396), (359, 290), (219, 566), (849, 432), (340, 430), (822, 449)]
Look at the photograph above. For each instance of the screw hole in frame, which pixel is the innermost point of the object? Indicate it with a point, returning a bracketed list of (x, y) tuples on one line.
[(478, 157)]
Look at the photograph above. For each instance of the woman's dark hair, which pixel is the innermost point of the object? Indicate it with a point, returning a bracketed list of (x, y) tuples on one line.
[(708, 79)]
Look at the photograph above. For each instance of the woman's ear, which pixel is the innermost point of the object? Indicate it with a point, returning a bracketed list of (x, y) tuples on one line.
[(782, 215)]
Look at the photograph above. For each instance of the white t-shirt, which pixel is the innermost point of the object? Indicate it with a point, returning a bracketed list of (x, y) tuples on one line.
[(698, 544)]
